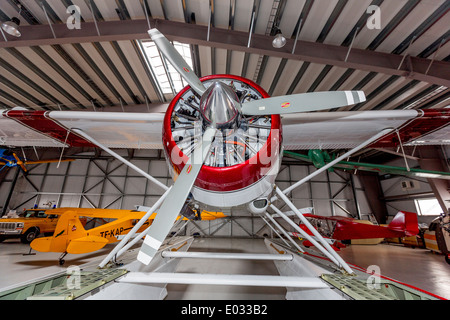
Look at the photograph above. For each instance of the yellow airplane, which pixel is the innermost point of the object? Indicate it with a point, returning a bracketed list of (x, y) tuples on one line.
[(70, 235)]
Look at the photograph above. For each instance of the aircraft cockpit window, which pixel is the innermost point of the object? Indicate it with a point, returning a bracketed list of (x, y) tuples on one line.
[(169, 80)]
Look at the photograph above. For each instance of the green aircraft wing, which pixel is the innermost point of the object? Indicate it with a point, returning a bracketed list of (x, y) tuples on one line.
[(319, 158)]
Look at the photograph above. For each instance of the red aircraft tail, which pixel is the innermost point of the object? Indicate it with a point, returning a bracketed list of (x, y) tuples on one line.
[(405, 222)]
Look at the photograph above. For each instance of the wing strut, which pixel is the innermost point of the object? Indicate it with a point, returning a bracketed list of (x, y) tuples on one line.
[(332, 163), (282, 231), (118, 157)]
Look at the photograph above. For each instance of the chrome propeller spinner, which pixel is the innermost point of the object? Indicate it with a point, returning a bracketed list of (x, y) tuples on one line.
[(220, 107)]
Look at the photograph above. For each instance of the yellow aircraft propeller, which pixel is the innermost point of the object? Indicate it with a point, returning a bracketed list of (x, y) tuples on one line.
[(19, 162)]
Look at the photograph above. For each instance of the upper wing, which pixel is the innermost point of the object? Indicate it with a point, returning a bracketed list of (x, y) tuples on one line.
[(15, 133), (209, 215), (99, 213), (53, 129), (343, 130), (314, 130)]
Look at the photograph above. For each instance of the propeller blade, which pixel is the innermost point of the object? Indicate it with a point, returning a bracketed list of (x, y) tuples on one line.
[(171, 207), (303, 102), (20, 162), (177, 61), (7, 162), (16, 157)]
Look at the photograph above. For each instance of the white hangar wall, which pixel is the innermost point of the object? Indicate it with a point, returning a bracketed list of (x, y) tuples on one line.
[(401, 192)]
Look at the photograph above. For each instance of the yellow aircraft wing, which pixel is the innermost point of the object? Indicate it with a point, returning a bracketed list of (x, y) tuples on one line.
[(98, 213), (209, 215), (120, 213), (48, 161)]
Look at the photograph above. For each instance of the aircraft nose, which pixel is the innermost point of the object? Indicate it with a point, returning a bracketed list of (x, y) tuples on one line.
[(220, 106)]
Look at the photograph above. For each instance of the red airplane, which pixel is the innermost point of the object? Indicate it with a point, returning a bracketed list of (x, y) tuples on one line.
[(223, 138), (339, 229)]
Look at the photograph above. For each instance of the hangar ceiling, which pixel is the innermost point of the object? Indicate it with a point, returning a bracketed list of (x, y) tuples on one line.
[(57, 72)]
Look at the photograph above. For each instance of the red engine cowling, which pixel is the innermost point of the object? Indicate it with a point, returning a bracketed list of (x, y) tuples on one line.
[(256, 158)]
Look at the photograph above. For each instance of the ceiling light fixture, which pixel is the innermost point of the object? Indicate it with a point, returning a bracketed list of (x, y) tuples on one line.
[(12, 26), (279, 40)]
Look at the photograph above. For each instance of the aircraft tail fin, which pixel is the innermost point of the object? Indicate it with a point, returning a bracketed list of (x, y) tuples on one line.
[(69, 227), (405, 222)]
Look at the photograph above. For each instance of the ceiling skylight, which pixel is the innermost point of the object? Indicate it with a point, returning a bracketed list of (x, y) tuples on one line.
[(168, 78)]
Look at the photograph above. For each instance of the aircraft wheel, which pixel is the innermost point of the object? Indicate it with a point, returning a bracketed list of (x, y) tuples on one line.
[(447, 258), (61, 262)]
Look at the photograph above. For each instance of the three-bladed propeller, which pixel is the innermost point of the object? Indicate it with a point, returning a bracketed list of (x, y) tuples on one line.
[(214, 116), (19, 162)]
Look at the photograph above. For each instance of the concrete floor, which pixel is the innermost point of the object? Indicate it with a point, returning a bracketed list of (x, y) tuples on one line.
[(417, 267), (19, 267)]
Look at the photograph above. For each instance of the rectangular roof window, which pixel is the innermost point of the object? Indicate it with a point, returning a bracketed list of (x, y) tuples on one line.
[(168, 78)]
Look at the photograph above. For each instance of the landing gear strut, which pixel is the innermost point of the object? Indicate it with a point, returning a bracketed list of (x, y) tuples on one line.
[(61, 259)]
